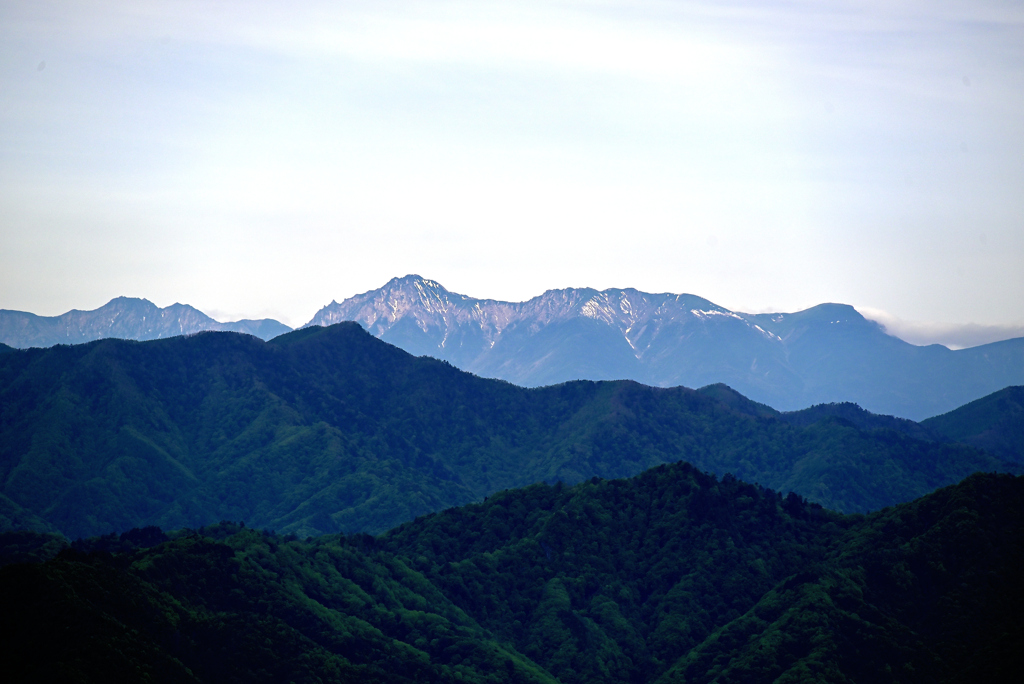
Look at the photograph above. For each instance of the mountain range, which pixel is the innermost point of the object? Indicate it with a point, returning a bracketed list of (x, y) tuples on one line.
[(328, 428), (125, 318), (825, 354), (828, 353), (577, 533)]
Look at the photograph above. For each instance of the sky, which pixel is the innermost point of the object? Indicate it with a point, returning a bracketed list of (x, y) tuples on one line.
[(260, 159)]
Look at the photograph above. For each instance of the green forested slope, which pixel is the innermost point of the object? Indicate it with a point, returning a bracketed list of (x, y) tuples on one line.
[(994, 423), (672, 576), (925, 591), (246, 607), (329, 429), (613, 581)]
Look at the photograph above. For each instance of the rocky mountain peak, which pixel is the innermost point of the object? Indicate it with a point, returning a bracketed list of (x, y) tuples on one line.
[(787, 360)]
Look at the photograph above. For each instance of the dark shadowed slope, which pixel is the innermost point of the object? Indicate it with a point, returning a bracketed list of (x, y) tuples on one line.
[(234, 605), (329, 428), (672, 576)]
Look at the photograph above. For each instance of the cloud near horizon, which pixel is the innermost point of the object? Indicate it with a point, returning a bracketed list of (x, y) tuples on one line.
[(952, 335)]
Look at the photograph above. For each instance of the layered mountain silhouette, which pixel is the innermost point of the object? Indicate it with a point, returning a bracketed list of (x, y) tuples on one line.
[(328, 429), (828, 353), (125, 318)]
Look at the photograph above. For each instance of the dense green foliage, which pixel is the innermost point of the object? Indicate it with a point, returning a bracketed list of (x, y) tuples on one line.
[(615, 580), (242, 607), (926, 591), (672, 576), (619, 581), (25, 546), (994, 423), (329, 429), (861, 419)]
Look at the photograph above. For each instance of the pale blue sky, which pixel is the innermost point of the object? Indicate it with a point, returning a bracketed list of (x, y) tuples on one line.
[(263, 158)]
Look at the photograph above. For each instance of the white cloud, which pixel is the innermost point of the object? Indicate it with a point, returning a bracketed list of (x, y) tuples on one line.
[(952, 335)]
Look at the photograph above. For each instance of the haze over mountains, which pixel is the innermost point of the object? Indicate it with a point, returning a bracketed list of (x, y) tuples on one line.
[(828, 353)]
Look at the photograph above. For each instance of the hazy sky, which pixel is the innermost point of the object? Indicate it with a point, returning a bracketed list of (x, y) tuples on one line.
[(263, 158)]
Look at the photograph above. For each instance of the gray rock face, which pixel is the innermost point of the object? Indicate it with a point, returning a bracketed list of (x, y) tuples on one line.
[(126, 318), (828, 353)]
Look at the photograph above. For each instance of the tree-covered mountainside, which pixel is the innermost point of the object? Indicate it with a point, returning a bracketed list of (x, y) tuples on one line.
[(235, 605), (863, 420), (672, 576), (329, 429), (994, 423)]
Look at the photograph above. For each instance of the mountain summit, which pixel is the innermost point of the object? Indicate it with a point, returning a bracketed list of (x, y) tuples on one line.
[(568, 334), (126, 318), (828, 353)]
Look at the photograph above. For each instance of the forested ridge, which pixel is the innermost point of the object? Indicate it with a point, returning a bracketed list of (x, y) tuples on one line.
[(994, 423), (329, 429), (671, 576)]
